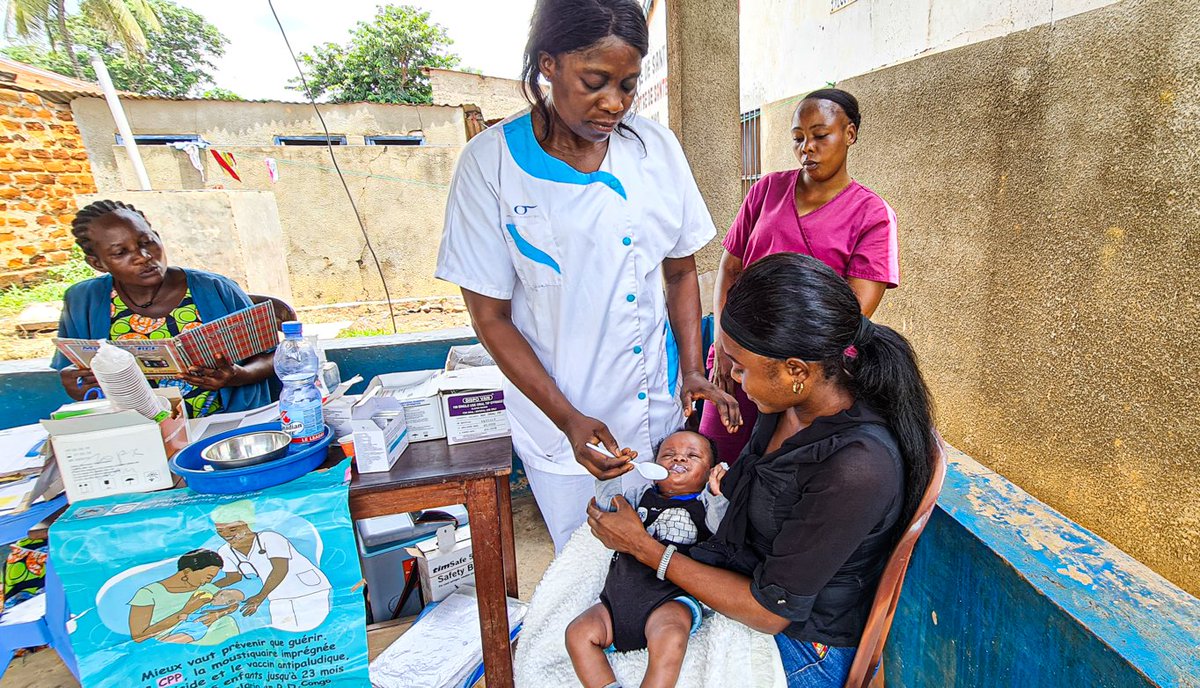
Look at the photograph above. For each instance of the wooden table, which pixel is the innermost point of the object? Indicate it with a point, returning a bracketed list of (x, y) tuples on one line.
[(432, 474)]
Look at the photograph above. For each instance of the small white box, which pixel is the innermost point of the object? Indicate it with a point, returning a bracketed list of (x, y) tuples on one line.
[(468, 356), (418, 393), (380, 434), (445, 569), (338, 415), (110, 453), (473, 404)]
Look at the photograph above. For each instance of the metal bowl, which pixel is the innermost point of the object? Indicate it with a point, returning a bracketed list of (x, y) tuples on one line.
[(250, 449)]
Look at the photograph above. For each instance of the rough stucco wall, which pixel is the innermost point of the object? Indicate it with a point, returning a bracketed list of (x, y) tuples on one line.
[(42, 166), (702, 82), (1048, 194), (225, 124), (496, 97), (795, 46), (234, 233), (400, 192)]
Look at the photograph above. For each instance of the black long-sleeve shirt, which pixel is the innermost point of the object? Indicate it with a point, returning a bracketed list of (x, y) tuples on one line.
[(814, 521)]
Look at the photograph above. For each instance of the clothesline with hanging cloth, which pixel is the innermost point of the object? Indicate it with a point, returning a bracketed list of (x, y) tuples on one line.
[(228, 163)]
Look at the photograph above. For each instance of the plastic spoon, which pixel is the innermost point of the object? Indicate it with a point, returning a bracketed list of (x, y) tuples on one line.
[(648, 469), (651, 470)]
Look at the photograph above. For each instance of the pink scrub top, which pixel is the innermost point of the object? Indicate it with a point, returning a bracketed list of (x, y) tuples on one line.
[(855, 233)]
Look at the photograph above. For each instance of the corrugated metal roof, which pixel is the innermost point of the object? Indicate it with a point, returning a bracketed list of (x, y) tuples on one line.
[(57, 87), (64, 89), (142, 96)]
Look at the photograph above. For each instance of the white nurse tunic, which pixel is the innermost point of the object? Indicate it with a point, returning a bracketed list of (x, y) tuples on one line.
[(580, 256)]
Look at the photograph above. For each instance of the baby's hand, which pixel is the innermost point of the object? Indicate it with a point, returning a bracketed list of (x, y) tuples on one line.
[(714, 477)]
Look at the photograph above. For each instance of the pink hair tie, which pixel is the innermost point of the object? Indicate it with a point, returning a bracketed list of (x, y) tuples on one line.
[(850, 352)]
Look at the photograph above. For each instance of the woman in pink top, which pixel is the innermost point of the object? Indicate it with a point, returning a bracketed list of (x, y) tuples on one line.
[(817, 210)]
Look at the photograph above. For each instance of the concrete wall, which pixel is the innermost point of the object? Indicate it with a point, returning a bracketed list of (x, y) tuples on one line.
[(42, 166), (1048, 194), (226, 124), (702, 77), (496, 97), (400, 192), (235, 233), (795, 46)]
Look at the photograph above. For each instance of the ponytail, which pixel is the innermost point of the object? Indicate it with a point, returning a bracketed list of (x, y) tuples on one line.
[(789, 305), (884, 374)]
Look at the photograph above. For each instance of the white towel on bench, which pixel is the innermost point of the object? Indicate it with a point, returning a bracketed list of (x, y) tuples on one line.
[(723, 652)]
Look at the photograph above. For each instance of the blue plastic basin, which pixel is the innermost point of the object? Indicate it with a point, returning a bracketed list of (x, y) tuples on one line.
[(299, 460)]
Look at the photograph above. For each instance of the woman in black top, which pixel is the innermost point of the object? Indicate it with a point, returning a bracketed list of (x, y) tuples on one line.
[(835, 468)]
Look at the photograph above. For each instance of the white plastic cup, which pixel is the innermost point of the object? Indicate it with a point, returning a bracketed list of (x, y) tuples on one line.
[(124, 384)]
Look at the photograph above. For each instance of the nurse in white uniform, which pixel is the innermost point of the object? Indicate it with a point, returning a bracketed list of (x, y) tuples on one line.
[(295, 590), (571, 230)]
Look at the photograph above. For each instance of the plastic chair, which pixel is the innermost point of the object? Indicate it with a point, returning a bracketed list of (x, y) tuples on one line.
[(887, 596), (41, 620), (23, 626)]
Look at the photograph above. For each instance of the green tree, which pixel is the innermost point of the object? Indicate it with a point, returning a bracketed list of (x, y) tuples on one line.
[(124, 22), (177, 60), (218, 93), (384, 61)]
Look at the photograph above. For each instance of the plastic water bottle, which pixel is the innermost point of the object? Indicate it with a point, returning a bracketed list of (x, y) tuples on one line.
[(297, 365)]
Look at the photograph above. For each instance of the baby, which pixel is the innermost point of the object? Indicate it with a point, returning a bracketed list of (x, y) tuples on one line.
[(636, 609), (193, 628)]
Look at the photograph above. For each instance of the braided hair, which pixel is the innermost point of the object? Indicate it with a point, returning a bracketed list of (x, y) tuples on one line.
[(92, 212)]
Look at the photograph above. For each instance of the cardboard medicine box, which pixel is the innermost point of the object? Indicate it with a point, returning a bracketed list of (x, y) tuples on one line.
[(445, 562), (122, 452), (380, 433), (338, 414), (419, 393), (473, 404)]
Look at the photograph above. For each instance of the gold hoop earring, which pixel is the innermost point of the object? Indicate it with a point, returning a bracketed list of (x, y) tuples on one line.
[(797, 387)]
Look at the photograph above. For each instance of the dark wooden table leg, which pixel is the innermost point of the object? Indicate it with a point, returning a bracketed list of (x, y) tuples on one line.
[(507, 539), (483, 503)]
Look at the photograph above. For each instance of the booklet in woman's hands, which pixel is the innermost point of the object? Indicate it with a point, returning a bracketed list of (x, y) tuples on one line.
[(237, 336)]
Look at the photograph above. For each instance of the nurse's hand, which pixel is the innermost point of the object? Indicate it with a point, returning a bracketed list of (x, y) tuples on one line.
[(251, 605), (582, 431), (696, 386)]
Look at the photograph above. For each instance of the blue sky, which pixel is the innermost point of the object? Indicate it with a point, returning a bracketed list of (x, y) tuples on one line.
[(488, 34)]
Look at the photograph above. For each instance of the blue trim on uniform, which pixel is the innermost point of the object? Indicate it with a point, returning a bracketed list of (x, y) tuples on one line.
[(536, 162), (530, 251), (672, 358)]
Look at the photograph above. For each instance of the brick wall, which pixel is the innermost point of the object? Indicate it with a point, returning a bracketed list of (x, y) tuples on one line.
[(43, 165)]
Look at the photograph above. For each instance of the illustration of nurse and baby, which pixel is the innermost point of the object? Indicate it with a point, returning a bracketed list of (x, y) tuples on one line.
[(193, 605)]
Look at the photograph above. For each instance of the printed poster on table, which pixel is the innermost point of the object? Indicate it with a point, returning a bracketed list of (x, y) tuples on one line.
[(178, 589)]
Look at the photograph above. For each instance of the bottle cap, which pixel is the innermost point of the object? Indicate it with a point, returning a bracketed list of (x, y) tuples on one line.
[(292, 328)]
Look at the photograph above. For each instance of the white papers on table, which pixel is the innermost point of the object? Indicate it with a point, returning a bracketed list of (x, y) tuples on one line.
[(18, 449), (442, 649), (13, 495), (31, 609), (224, 422)]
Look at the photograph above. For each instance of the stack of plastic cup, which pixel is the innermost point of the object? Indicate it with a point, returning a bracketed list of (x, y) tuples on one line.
[(124, 384)]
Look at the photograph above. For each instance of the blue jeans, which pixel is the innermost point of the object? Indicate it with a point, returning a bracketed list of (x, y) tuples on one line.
[(808, 665)]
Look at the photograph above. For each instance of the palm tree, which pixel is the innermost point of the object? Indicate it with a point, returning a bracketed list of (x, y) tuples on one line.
[(125, 21)]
